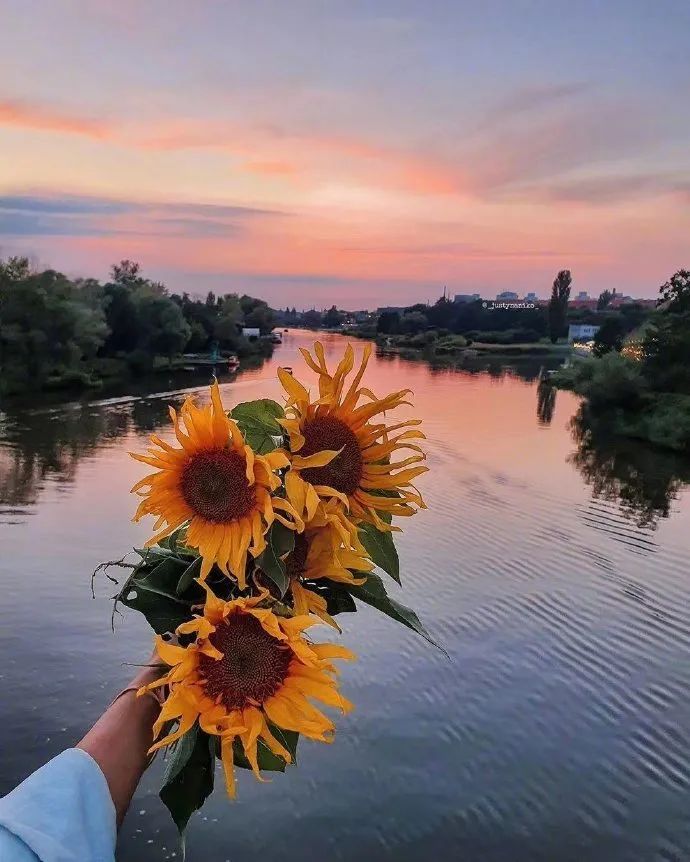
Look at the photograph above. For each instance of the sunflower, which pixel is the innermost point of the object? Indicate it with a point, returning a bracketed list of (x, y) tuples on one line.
[(338, 452), (216, 484), (328, 548), (246, 675)]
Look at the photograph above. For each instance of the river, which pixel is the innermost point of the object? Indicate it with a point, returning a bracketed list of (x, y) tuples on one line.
[(550, 564)]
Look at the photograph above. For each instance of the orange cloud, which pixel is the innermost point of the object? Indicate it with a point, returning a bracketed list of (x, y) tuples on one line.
[(267, 151), (277, 167), (21, 114)]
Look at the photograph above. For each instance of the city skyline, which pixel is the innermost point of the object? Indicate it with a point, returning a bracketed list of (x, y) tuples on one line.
[(324, 153)]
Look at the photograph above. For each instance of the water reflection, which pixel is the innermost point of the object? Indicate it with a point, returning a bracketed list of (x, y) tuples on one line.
[(546, 402), (49, 444), (527, 369), (644, 481), (560, 721)]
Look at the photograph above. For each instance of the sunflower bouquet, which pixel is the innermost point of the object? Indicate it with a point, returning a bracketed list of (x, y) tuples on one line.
[(270, 520)]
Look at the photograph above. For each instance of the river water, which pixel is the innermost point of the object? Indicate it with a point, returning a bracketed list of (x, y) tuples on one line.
[(551, 565)]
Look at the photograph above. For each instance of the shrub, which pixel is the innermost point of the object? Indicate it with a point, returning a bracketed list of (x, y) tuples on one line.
[(612, 380)]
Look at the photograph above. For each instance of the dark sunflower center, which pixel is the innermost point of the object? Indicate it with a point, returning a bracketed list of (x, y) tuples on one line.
[(253, 667), (214, 484), (297, 558), (345, 470)]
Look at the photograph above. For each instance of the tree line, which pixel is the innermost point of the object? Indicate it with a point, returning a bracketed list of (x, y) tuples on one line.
[(60, 332), (485, 322), (642, 389)]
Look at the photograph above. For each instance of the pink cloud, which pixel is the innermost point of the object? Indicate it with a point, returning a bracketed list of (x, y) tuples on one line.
[(21, 114)]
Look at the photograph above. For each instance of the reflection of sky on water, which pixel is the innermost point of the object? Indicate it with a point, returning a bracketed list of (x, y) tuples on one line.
[(558, 729)]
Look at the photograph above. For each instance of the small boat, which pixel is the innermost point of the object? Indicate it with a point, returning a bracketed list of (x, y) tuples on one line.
[(276, 338), (233, 363)]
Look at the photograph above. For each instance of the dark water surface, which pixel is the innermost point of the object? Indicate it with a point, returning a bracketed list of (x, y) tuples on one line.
[(551, 564)]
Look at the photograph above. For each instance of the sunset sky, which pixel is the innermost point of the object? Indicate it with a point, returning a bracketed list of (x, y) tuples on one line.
[(357, 153)]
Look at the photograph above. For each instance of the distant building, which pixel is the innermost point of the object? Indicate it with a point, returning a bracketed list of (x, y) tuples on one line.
[(619, 300), (583, 300), (466, 297), (507, 296), (391, 309), (531, 297), (581, 332), (251, 332)]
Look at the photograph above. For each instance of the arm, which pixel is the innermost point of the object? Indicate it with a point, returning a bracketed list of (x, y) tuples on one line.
[(121, 738), (72, 806)]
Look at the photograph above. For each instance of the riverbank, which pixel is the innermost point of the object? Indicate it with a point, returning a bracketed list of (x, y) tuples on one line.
[(109, 377), (430, 345), (619, 396)]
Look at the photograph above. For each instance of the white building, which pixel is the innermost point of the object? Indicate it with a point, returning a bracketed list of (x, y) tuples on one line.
[(251, 332), (507, 296), (466, 297), (581, 332)]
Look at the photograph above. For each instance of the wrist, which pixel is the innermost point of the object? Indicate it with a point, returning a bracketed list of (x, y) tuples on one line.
[(147, 675)]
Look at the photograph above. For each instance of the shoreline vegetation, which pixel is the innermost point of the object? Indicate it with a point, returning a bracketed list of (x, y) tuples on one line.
[(642, 390), (69, 335), (64, 335), (471, 326), (432, 345)]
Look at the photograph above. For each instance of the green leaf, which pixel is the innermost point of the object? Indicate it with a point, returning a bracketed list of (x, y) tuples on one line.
[(188, 779), (152, 590), (338, 599), (257, 421), (381, 549), (374, 593), (163, 576), (288, 738), (162, 613), (279, 543), (176, 545), (188, 576)]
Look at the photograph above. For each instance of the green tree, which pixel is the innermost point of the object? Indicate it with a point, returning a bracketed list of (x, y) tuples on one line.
[(126, 272), (261, 317), (49, 331), (312, 319), (604, 300), (141, 317), (14, 269), (163, 329), (413, 322), (333, 318), (558, 305), (667, 342), (609, 336), (229, 321), (388, 323), (675, 293)]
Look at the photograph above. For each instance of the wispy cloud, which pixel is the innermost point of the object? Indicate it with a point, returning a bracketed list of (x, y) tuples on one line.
[(31, 115), (79, 216), (271, 150), (612, 190), (532, 99)]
